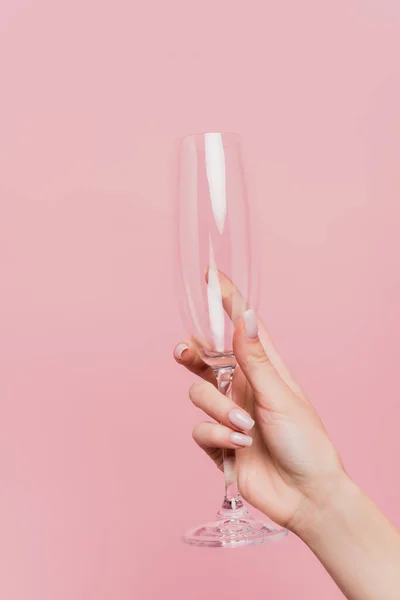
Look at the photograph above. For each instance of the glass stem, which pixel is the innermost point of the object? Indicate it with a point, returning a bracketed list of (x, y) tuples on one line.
[(232, 504)]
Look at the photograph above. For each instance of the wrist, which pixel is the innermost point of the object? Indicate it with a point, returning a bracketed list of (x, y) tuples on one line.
[(332, 500)]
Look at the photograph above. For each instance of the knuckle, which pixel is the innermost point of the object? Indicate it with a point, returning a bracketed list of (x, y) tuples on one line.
[(259, 356), (264, 359)]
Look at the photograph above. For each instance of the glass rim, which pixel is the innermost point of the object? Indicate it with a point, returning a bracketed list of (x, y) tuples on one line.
[(228, 134), (229, 140)]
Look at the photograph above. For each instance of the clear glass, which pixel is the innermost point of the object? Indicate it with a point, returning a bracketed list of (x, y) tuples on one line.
[(218, 282)]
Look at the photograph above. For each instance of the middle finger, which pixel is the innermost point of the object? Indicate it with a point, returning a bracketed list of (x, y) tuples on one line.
[(221, 408)]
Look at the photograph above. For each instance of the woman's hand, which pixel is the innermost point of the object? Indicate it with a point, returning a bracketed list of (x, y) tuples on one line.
[(286, 464)]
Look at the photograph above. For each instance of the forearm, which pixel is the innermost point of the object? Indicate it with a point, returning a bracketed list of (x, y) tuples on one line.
[(355, 542)]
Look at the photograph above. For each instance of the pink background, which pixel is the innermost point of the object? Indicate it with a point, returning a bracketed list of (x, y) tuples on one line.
[(98, 473)]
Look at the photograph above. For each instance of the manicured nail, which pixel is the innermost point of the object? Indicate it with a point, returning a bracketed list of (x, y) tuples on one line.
[(240, 439), (240, 419), (179, 350), (251, 324)]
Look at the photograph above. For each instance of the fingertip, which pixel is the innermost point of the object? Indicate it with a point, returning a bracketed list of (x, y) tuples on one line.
[(250, 324), (247, 345), (195, 432), (180, 351), (246, 336), (241, 440), (240, 338)]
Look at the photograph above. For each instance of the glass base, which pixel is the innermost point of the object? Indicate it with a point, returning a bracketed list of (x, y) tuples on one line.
[(240, 530)]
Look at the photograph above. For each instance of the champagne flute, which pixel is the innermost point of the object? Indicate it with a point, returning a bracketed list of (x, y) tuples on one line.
[(218, 283)]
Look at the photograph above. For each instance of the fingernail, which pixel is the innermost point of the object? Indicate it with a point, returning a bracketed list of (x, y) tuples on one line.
[(240, 439), (240, 419), (251, 324), (180, 349)]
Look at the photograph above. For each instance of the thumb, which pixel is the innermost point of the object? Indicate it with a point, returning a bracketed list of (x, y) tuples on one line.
[(269, 388)]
